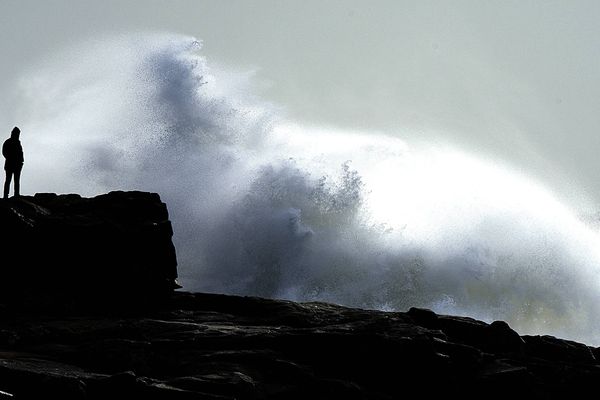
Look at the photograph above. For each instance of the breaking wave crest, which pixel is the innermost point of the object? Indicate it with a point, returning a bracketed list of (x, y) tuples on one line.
[(265, 206)]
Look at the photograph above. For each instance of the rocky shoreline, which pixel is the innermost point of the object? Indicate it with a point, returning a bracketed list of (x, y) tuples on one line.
[(210, 346)]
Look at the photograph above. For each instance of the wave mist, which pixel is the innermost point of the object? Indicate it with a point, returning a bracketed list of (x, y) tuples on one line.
[(269, 207)]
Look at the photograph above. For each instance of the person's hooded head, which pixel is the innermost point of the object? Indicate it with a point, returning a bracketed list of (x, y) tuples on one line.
[(14, 134)]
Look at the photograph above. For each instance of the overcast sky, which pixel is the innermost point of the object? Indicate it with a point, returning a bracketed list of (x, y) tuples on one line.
[(515, 80)]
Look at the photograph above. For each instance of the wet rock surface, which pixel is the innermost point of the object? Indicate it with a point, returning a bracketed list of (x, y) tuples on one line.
[(209, 346)]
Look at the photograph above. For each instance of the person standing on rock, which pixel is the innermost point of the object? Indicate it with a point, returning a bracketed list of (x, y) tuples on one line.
[(13, 153)]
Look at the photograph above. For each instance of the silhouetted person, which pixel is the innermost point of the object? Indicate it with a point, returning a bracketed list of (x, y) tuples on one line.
[(13, 153)]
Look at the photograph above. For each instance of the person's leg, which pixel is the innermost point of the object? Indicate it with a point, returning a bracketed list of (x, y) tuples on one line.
[(17, 182), (7, 183)]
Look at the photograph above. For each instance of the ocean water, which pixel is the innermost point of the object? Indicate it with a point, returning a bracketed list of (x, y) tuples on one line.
[(263, 205)]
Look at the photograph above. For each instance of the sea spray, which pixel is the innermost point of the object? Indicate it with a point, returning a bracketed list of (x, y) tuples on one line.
[(270, 207)]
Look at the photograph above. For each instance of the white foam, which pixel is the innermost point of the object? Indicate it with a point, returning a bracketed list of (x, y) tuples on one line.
[(269, 207)]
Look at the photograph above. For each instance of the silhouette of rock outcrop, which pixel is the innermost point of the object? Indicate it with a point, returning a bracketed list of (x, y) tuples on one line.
[(72, 326), (66, 249)]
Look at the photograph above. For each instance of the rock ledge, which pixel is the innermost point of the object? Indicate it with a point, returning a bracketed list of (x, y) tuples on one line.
[(69, 249), (209, 346)]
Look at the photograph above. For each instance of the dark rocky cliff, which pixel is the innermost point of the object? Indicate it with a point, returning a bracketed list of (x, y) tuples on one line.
[(69, 249), (98, 340)]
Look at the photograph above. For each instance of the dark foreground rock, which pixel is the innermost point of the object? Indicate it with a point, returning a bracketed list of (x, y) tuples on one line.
[(65, 249), (88, 311), (208, 346)]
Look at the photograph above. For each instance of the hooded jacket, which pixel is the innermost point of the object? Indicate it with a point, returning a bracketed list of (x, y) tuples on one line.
[(13, 152)]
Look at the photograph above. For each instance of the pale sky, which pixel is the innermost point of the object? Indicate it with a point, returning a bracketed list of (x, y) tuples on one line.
[(518, 81)]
